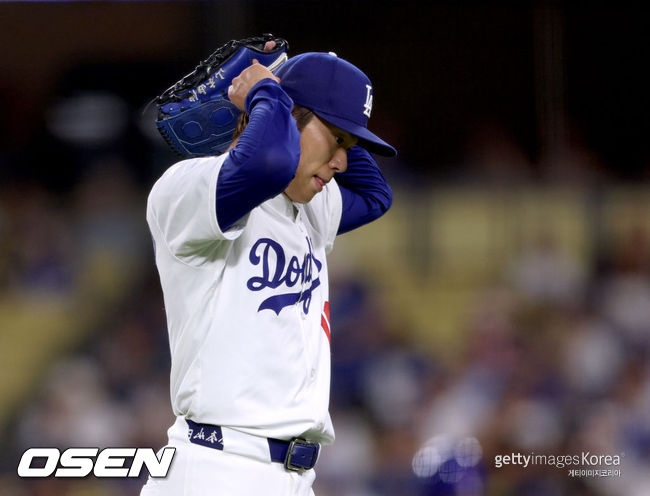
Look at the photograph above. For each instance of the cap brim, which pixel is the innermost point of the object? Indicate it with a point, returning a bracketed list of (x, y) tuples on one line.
[(367, 139)]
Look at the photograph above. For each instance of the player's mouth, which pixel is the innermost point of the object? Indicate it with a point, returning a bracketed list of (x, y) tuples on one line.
[(320, 183)]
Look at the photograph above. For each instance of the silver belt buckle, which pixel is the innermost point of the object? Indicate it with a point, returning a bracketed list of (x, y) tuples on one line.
[(290, 452)]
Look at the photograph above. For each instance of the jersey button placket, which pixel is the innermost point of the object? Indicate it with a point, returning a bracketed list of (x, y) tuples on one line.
[(311, 370), (303, 282)]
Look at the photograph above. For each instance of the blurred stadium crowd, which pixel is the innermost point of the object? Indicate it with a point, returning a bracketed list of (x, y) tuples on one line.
[(495, 310)]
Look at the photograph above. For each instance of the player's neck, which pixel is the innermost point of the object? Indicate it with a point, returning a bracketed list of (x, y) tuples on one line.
[(294, 207)]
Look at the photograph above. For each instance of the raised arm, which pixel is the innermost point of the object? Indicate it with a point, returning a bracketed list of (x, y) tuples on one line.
[(365, 193), (265, 158)]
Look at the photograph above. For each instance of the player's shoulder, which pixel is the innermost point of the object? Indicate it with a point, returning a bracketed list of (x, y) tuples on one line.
[(186, 177), (188, 165), (184, 169)]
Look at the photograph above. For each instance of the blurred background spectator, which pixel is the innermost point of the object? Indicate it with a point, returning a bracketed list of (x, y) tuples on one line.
[(502, 306)]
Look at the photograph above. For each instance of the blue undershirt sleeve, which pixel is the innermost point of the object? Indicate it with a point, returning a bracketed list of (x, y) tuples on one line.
[(365, 193), (265, 159)]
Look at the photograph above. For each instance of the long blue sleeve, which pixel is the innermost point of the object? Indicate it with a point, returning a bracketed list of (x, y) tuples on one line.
[(265, 159), (365, 193)]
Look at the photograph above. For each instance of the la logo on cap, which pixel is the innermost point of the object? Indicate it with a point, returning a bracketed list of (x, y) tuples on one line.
[(367, 107), (332, 88)]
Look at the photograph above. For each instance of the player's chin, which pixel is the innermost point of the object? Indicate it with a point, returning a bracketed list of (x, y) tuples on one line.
[(308, 196), (304, 195)]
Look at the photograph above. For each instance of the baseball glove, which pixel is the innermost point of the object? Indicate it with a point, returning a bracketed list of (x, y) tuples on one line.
[(195, 116)]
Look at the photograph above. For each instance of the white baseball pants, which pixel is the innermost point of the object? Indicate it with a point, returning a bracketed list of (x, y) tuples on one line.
[(199, 471)]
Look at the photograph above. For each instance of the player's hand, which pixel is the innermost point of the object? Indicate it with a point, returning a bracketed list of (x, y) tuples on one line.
[(248, 78)]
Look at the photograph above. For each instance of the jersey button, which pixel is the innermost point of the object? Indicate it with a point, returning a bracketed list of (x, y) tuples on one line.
[(312, 374)]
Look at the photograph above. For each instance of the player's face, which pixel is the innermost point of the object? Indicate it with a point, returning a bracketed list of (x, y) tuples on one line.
[(323, 153)]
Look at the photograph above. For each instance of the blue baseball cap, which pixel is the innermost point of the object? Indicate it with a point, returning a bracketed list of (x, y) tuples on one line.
[(336, 91)]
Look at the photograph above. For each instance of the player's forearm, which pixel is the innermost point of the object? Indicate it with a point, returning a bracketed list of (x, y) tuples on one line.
[(365, 193), (265, 158)]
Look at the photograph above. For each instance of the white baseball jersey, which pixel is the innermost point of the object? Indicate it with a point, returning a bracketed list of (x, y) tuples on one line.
[(247, 309)]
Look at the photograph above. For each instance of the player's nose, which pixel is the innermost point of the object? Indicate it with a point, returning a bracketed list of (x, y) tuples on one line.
[(339, 161)]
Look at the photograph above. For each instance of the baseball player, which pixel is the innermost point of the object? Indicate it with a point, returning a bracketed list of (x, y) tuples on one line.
[(241, 241)]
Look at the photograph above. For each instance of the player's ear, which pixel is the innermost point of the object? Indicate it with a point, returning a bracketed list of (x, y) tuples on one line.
[(302, 115)]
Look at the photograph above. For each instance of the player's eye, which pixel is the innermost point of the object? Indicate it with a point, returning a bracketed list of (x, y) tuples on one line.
[(339, 140)]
